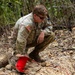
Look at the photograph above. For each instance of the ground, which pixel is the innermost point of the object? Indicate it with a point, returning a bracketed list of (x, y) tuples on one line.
[(59, 56)]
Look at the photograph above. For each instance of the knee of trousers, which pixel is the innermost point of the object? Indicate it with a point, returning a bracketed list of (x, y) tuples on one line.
[(51, 37), (48, 39)]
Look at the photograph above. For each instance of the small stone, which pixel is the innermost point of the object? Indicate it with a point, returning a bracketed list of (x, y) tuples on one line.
[(43, 64), (48, 64), (55, 43), (73, 57), (71, 52), (9, 67)]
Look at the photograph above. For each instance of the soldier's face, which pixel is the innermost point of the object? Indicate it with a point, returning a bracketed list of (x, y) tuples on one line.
[(38, 18)]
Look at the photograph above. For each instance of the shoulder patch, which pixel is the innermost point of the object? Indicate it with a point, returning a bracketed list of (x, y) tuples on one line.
[(28, 28)]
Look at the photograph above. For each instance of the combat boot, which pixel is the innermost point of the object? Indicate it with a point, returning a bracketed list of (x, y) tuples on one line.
[(35, 55)]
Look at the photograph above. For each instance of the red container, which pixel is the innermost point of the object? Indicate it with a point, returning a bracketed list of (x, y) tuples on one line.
[(21, 63)]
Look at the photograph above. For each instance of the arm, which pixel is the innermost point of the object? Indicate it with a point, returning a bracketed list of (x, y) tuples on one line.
[(46, 30), (21, 42)]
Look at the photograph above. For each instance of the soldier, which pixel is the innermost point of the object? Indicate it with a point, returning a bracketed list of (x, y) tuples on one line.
[(33, 30)]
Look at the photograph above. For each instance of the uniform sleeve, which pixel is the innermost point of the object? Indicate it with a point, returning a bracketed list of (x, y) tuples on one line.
[(48, 27), (21, 42)]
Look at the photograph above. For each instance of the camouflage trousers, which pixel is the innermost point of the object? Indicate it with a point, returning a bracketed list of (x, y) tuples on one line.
[(38, 47), (47, 40)]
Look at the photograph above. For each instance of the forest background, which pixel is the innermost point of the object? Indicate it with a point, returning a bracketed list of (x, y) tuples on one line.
[(62, 12)]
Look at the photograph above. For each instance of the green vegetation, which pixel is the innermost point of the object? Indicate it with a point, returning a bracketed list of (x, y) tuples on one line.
[(60, 11), (9, 11)]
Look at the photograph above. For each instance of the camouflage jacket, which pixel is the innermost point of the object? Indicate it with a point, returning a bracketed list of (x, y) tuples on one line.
[(26, 30)]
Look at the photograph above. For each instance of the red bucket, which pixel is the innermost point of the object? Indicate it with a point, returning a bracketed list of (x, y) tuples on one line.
[(21, 63)]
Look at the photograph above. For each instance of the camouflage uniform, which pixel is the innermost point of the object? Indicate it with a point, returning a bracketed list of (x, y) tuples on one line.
[(26, 38)]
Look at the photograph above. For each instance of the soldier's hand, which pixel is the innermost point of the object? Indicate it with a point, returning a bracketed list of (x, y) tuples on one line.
[(19, 55), (40, 37)]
